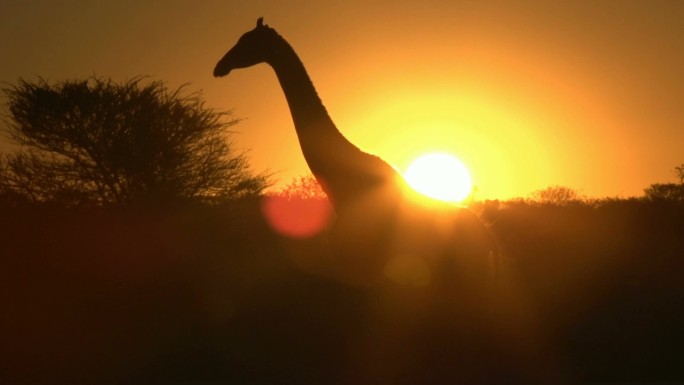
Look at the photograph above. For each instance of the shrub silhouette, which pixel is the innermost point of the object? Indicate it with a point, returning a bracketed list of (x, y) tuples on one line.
[(303, 187), (556, 195), (665, 191), (669, 192), (95, 141)]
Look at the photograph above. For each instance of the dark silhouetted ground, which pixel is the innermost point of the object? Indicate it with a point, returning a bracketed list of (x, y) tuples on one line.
[(211, 295)]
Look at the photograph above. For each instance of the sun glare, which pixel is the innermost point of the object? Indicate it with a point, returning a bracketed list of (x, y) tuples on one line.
[(439, 176)]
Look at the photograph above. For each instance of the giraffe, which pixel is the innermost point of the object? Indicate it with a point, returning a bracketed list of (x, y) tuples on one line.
[(433, 261), (343, 170), (374, 219)]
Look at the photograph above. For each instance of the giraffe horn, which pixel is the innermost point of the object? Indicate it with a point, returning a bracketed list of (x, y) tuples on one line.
[(260, 22)]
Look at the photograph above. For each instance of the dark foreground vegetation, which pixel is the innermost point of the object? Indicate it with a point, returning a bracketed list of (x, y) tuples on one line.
[(605, 282), (210, 294)]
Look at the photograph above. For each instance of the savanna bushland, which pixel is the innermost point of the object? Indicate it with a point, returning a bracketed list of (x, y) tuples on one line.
[(167, 285)]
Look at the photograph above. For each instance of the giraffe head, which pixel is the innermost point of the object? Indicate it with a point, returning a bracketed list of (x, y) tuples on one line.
[(251, 49)]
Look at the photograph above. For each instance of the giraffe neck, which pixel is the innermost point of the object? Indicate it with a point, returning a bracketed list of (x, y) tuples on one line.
[(314, 126), (305, 105), (344, 171)]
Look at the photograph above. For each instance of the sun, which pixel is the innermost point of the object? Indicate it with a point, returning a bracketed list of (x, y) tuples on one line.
[(439, 176)]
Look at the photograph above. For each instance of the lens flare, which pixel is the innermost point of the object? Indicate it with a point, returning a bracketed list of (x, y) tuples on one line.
[(296, 217)]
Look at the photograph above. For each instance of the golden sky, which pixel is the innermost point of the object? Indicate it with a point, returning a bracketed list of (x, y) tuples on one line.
[(586, 94)]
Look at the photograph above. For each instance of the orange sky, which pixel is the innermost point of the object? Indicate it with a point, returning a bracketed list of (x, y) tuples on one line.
[(527, 94)]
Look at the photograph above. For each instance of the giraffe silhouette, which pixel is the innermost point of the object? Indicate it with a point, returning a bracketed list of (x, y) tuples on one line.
[(378, 229), (343, 170), (431, 267)]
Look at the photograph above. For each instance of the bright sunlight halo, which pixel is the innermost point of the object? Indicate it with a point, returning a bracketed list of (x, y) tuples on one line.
[(439, 176)]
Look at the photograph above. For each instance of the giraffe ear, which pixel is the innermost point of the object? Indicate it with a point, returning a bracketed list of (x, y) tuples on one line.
[(260, 22)]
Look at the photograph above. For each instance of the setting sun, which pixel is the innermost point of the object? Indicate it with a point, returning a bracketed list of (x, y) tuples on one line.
[(439, 176)]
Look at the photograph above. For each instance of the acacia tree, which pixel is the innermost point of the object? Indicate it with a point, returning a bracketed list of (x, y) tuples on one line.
[(95, 141), (679, 172)]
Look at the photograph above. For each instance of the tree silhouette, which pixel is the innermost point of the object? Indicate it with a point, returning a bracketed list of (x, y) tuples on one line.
[(95, 141), (667, 191), (556, 195), (679, 172)]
